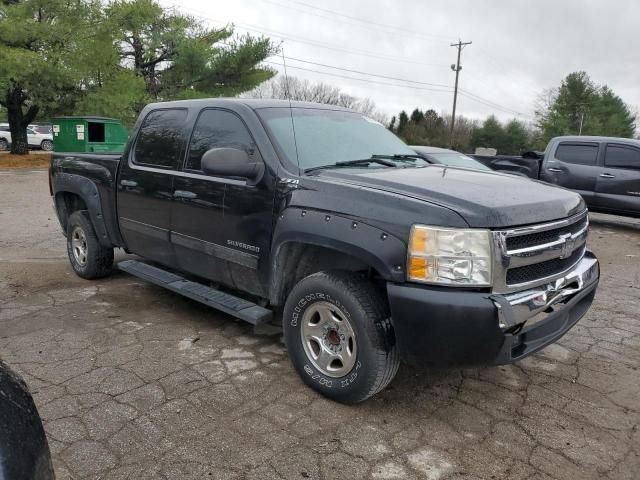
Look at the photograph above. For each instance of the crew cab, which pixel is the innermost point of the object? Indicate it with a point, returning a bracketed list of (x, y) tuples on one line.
[(604, 170), (369, 253)]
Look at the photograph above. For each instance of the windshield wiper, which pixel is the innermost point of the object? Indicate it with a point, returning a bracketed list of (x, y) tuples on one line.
[(354, 163), (400, 156)]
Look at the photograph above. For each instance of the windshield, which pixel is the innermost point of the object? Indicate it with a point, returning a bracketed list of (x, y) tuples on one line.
[(455, 159), (325, 137)]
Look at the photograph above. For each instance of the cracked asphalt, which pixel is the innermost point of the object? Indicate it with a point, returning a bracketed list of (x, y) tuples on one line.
[(133, 381)]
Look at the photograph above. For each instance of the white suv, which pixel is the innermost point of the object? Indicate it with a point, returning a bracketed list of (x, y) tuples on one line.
[(5, 137), (43, 141)]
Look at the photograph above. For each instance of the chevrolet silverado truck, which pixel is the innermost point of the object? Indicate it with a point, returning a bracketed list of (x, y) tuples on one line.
[(604, 170), (320, 214)]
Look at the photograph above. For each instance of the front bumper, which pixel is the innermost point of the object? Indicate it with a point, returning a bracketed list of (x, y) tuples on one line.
[(440, 326)]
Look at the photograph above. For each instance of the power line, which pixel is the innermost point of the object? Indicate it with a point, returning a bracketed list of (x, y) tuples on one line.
[(374, 25), (442, 87), (315, 43), (370, 74), (437, 90), (365, 80), (490, 103)]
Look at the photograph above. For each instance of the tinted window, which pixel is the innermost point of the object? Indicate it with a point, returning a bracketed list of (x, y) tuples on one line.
[(581, 153), (622, 157), (161, 138), (217, 129)]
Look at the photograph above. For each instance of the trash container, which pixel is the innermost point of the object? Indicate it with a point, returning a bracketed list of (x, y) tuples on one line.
[(88, 134)]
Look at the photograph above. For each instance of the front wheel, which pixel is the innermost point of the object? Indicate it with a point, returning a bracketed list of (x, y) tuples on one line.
[(46, 145), (88, 258), (339, 336), (4, 145)]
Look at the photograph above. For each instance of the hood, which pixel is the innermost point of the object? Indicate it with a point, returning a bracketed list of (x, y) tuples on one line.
[(483, 199)]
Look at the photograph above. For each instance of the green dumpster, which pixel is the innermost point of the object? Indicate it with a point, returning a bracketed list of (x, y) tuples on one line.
[(88, 134)]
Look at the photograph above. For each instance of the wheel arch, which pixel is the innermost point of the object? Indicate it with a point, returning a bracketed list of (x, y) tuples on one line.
[(307, 241), (72, 193)]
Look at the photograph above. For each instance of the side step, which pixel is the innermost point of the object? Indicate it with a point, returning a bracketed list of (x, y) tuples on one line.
[(238, 307)]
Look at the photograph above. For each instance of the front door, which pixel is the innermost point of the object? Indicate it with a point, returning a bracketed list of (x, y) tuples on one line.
[(33, 139), (618, 186), (221, 226), (145, 185), (574, 165)]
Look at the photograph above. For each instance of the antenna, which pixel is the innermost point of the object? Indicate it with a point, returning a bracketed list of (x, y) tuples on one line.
[(286, 92)]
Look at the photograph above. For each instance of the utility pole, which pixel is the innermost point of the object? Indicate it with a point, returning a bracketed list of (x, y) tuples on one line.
[(456, 68)]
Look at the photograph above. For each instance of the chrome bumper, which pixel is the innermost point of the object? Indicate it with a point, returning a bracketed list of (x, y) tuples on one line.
[(532, 306)]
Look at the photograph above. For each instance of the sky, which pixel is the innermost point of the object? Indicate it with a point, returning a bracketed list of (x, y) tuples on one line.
[(402, 47)]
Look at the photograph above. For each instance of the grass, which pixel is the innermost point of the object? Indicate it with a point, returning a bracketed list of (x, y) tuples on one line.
[(31, 160)]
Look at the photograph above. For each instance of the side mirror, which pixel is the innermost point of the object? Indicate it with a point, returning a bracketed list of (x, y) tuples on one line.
[(231, 162)]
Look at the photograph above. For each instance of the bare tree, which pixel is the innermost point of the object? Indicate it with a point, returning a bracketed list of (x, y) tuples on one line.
[(303, 90)]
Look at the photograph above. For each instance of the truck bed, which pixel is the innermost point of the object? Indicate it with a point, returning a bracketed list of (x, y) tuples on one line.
[(84, 169), (526, 166)]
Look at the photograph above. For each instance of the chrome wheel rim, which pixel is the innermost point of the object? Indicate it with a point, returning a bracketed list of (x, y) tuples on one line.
[(328, 339), (47, 145), (79, 246)]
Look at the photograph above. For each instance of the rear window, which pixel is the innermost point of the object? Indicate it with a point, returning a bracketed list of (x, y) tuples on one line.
[(622, 157), (161, 139), (580, 153)]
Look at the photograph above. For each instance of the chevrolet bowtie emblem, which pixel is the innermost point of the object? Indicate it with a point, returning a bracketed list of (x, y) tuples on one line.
[(567, 247)]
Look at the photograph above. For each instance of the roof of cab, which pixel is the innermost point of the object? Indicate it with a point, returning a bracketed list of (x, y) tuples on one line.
[(594, 138), (254, 103)]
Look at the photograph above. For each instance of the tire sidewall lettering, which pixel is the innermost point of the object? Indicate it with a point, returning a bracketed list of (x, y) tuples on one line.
[(313, 374)]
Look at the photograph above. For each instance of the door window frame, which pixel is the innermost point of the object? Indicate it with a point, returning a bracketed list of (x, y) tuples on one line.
[(621, 145), (578, 143), (149, 166), (200, 173)]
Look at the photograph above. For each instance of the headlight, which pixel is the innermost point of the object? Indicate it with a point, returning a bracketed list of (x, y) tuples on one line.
[(449, 256)]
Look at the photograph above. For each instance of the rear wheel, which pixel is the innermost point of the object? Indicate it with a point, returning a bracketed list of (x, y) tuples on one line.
[(47, 145), (88, 258), (4, 145), (339, 336)]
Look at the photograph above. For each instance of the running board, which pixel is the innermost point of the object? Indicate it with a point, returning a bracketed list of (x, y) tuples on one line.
[(238, 307)]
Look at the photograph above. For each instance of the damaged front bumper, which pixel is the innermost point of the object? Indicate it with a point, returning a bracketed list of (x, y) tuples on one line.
[(445, 327)]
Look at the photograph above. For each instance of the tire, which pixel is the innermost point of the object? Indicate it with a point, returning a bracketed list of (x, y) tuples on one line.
[(88, 258), (4, 145), (46, 145), (363, 336)]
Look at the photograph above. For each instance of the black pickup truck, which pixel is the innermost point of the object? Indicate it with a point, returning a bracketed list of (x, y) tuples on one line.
[(371, 254), (604, 170)]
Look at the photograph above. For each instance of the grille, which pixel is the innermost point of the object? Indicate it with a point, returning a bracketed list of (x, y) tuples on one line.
[(547, 236), (536, 271)]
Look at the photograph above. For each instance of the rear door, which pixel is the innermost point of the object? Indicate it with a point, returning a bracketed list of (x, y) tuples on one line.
[(221, 226), (618, 186), (574, 165), (145, 184)]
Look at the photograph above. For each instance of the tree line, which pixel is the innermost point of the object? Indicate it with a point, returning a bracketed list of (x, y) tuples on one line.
[(578, 106), (64, 57)]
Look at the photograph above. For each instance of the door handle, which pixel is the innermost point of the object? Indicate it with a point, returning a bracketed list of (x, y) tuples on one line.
[(128, 183), (184, 194), (557, 170), (607, 175)]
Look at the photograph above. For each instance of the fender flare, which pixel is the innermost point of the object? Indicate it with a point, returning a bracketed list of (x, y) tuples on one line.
[(371, 245), (88, 192)]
